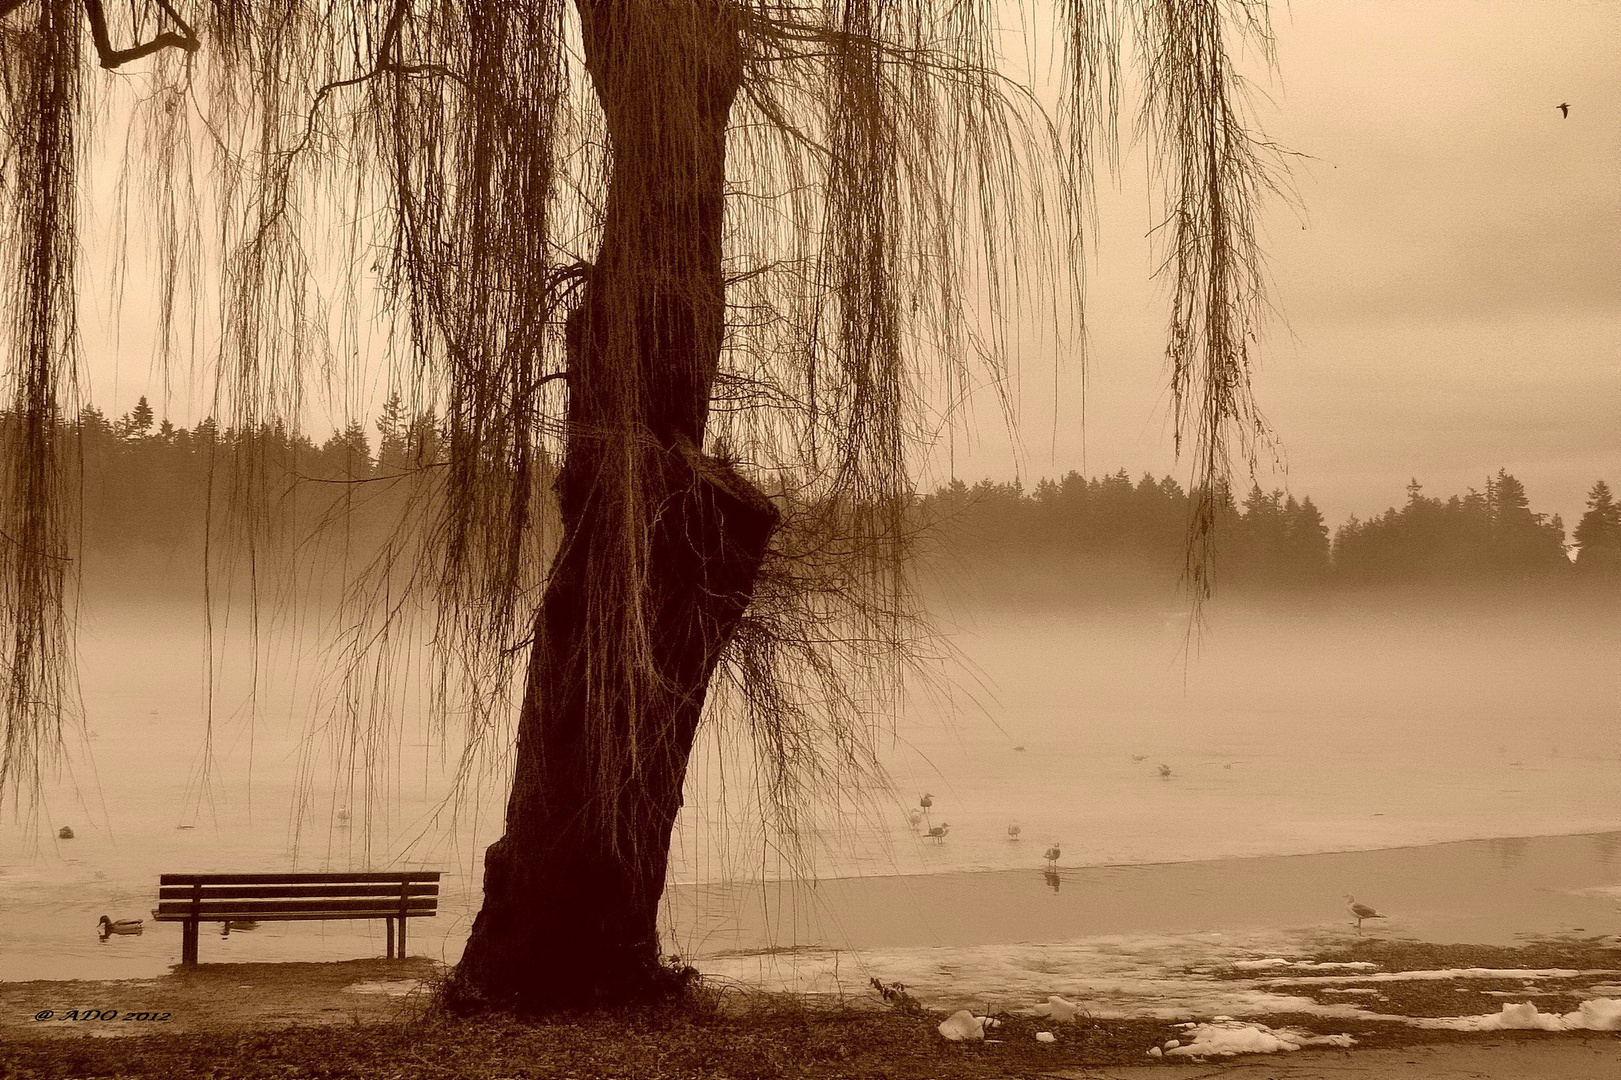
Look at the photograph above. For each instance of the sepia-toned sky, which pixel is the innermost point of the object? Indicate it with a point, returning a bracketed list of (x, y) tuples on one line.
[(1449, 284), (1448, 278)]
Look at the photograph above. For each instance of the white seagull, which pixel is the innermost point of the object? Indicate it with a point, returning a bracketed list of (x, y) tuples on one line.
[(1361, 911), (938, 833), (915, 816)]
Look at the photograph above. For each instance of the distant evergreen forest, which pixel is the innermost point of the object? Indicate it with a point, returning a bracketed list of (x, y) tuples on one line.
[(1114, 535), (153, 491)]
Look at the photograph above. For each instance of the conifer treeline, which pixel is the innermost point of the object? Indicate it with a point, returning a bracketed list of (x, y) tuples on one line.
[(154, 494), (1112, 535), (151, 490)]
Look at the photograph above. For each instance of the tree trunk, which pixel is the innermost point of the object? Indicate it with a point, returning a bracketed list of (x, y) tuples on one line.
[(661, 544)]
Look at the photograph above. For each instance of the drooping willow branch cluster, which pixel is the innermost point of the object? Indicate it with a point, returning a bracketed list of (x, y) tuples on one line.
[(894, 203)]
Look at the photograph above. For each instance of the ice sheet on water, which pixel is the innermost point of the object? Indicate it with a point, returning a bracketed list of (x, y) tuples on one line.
[(1305, 965), (1438, 974)]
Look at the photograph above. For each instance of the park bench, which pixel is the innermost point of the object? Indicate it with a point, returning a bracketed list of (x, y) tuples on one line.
[(198, 898)]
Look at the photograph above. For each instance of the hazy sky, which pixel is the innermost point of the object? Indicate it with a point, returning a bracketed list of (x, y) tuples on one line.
[(1450, 277), (1451, 280)]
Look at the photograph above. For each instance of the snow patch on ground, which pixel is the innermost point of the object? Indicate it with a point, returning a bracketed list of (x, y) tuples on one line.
[(964, 1026), (1304, 965), (1060, 1009), (1167, 976), (1224, 1038), (1598, 1014)]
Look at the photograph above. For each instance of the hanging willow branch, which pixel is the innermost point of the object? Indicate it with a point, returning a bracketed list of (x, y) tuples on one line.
[(894, 204)]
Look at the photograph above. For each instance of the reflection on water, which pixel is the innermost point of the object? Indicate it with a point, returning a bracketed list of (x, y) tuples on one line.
[(1510, 850)]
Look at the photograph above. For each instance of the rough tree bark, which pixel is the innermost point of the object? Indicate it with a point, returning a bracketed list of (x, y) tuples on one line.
[(570, 906)]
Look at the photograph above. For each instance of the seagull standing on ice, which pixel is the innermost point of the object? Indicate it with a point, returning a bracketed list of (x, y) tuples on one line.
[(1164, 771), (1053, 855), (938, 833), (1013, 831), (1361, 911), (915, 816), (926, 801)]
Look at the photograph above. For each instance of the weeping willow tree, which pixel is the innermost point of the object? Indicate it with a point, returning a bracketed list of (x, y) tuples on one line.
[(719, 260)]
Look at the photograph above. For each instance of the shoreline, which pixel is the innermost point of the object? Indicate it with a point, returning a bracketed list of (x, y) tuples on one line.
[(1488, 891)]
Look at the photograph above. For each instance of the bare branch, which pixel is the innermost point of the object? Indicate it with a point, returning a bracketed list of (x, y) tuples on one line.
[(112, 58)]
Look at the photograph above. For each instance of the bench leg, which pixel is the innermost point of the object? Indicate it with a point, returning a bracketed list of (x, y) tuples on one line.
[(390, 923), (402, 938), (188, 944)]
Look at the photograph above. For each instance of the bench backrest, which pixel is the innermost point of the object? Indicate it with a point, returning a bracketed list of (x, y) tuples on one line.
[(330, 895)]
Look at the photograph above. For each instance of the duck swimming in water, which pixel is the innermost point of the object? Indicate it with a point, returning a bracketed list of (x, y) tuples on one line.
[(120, 926)]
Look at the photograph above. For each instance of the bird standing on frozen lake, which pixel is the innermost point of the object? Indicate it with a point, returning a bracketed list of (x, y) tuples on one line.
[(1164, 771), (1361, 911), (1053, 855), (915, 816), (1013, 831), (926, 801), (938, 833)]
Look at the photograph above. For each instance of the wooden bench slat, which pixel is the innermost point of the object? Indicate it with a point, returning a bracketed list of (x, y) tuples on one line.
[(247, 909), (295, 916), (296, 879), (265, 892)]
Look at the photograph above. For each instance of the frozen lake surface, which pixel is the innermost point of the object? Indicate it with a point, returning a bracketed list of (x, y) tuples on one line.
[(1285, 734)]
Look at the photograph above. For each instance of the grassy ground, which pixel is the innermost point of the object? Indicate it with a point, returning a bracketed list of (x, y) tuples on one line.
[(762, 1037), (308, 1021)]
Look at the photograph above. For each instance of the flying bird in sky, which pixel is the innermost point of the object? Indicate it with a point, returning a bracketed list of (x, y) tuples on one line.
[(1564, 109)]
